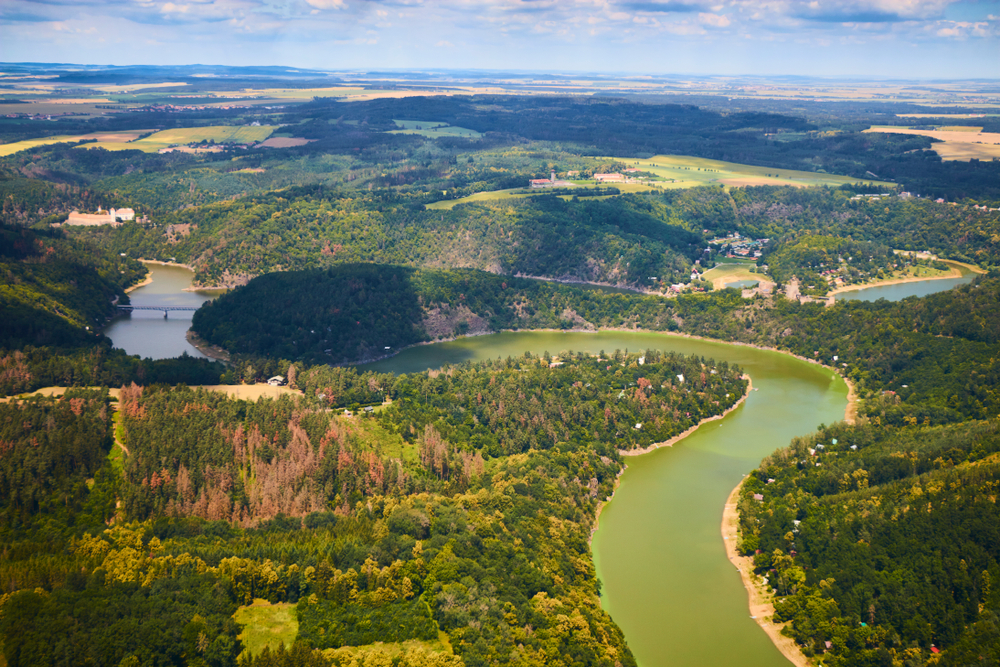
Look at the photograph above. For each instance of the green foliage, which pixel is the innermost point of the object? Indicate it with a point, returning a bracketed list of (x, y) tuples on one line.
[(173, 621), (55, 287), (880, 540), (50, 447), (329, 624)]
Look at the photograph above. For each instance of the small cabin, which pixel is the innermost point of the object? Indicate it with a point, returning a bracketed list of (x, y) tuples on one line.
[(277, 381)]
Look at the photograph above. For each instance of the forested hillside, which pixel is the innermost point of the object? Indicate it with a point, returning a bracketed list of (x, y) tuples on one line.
[(624, 240), (463, 507), (882, 543), (55, 288), (937, 355)]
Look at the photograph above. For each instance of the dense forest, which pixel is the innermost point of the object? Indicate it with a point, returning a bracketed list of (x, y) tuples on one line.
[(882, 543), (463, 507), (56, 289)]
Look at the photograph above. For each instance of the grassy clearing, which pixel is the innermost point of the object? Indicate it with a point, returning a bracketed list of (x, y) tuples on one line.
[(722, 274), (266, 624), (684, 171), (433, 129), (680, 171), (521, 193), (251, 392)]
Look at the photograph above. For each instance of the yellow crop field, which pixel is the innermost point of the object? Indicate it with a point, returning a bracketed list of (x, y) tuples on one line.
[(220, 134), (126, 141), (102, 138), (956, 143)]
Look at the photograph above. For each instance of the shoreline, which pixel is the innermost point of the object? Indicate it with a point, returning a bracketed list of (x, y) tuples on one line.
[(954, 273), (760, 602), (203, 346), (680, 436), (657, 445), (850, 412)]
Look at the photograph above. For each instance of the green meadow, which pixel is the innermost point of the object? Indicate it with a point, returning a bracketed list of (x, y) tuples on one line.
[(684, 171), (266, 624), (433, 129)]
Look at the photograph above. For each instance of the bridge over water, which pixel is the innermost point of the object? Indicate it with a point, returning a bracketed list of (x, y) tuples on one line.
[(165, 309)]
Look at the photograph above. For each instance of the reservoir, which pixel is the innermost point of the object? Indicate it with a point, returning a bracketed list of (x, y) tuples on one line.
[(667, 581), (659, 552), (145, 332), (903, 290)]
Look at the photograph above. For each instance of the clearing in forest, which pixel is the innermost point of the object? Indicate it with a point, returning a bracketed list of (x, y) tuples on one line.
[(433, 129), (266, 624), (675, 172), (722, 274), (685, 171)]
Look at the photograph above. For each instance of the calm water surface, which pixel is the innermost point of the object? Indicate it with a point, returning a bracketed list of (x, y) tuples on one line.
[(145, 332), (659, 551), (904, 290)]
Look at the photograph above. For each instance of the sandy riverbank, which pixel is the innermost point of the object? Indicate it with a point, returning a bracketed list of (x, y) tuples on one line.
[(955, 272), (149, 276), (677, 438), (206, 348), (761, 601)]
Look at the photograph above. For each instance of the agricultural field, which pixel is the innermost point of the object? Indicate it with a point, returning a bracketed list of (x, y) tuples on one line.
[(120, 138), (433, 129), (676, 172), (683, 171), (957, 142), (219, 134), (128, 140)]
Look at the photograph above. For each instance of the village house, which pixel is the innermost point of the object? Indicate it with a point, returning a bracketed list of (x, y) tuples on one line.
[(549, 182)]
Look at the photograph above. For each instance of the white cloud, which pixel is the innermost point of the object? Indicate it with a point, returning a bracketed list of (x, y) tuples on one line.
[(714, 20), (327, 4)]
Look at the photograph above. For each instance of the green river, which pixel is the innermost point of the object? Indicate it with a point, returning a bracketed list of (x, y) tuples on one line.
[(659, 550)]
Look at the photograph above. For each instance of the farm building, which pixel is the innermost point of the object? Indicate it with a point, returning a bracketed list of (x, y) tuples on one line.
[(550, 182), (609, 178)]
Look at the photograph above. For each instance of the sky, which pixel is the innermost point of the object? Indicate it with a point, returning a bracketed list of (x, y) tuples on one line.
[(912, 39)]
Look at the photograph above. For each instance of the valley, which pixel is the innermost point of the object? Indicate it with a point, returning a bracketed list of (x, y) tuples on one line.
[(438, 320)]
